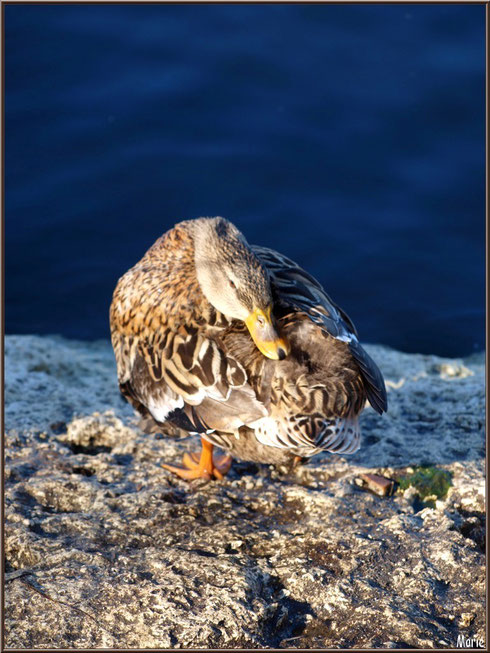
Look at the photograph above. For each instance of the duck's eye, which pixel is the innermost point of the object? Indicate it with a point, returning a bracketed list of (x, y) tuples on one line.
[(232, 284)]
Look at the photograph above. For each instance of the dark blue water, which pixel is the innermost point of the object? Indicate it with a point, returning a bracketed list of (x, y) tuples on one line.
[(349, 137)]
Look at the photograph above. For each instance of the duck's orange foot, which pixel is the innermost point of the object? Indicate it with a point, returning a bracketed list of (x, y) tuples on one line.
[(203, 465)]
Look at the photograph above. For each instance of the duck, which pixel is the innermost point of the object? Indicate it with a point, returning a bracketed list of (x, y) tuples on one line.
[(240, 345)]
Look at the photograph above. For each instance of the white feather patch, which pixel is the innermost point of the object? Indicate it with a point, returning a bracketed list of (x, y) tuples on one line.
[(344, 338), (161, 409), (341, 436), (266, 431)]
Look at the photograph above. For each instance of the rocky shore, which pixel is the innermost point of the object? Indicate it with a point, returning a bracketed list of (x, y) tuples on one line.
[(105, 549)]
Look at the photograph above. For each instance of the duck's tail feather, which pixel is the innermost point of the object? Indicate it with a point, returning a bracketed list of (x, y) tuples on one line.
[(373, 379), (337, 435), (341, 436)]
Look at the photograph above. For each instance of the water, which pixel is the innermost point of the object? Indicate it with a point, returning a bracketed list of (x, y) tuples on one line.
[(349, 137)]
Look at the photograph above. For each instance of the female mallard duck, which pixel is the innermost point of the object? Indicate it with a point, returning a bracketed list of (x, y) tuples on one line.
[(239, 344)]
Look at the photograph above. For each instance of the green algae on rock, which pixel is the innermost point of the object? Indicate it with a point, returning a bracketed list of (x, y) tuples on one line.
[(430, 482)]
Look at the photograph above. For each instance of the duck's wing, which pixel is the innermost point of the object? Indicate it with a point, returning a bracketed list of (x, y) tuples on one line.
[(296, 290), (167, 341), (185, 378)]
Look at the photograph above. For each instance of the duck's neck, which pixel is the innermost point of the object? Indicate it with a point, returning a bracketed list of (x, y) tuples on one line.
[(183, 294)]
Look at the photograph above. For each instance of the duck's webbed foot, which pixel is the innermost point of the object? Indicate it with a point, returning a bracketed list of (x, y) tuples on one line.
[(202, 465)]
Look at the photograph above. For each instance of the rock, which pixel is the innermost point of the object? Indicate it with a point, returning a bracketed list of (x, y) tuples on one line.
[(106, 549)]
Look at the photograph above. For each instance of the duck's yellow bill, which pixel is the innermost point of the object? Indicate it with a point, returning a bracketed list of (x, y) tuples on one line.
[(265, 336)]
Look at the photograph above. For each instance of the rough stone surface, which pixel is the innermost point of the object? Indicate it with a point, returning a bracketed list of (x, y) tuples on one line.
[(106, 549)]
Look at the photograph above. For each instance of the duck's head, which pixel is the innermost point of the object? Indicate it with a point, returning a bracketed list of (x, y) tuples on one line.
[(236, 283)]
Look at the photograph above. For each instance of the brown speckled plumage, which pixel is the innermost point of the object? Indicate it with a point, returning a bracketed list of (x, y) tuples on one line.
[(178, 355)]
